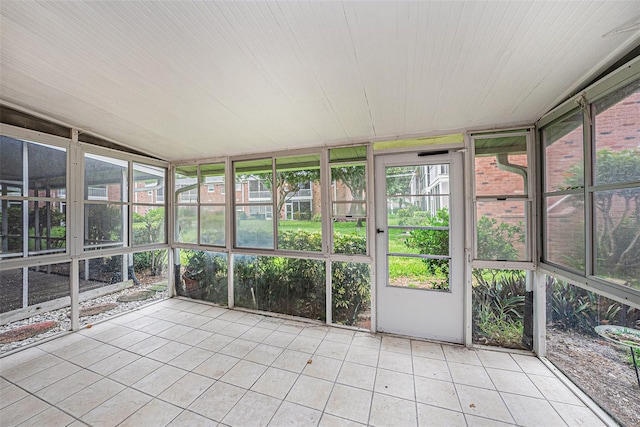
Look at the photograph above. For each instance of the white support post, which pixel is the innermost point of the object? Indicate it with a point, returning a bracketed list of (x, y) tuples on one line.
[(75, 240), (371, 236), (230, 203), (326, 224), (25, 222), (468, 155), (75, 294), (539, 314), (230, 296)]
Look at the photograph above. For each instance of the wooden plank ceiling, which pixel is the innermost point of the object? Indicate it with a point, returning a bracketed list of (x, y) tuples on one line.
[(185, 80)]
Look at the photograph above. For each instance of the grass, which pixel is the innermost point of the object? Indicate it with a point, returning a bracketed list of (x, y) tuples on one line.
[(399, 267)]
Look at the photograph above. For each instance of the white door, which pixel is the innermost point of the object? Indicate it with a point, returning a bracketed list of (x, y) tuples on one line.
[(420, 245)]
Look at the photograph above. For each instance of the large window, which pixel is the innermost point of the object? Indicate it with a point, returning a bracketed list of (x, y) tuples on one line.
[(591, 208), (348, 200), (254, 204), (212, 204), (33, 198), (105, 212), (281, 194), (298, 203), (502, 197), (148, 204), (563, 201), (200, 204)]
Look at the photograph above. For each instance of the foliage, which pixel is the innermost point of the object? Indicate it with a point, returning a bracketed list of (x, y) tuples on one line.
[(618, 218), (574, 308), (297, 286), (204, 276), (349, 244), (300, 240), (283, 285), (414, 217), (498, 306), (14, 222), (497, 241), (152, 261), (149, 229), (256, 237), (351, 291), (499, 295), (354, 178), (287, 182), (103, 223), (432, 242), (399, 183), (408, 212)]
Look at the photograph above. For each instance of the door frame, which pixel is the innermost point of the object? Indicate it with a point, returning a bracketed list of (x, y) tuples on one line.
[(457, 202)]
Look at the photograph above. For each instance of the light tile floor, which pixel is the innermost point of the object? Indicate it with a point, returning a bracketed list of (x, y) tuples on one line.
[(184, 363)]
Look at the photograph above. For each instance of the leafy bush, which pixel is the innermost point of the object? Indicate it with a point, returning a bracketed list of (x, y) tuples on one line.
[(432, 242), (573, 308), (204, 277), (297, 286), (282, 285), (349, 244), (416, 218), (351, 292), (300, 240), (498, 307), (152, 261), (497, 241), (409, 211)]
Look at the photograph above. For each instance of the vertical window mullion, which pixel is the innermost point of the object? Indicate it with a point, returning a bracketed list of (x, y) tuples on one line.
[(589, 222), (274, 204)]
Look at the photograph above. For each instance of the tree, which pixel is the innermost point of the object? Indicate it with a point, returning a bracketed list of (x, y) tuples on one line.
[(287, 183), (354, 177), (399, 182)]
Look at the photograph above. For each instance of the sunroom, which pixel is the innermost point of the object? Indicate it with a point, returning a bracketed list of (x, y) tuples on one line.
[(385, 213)]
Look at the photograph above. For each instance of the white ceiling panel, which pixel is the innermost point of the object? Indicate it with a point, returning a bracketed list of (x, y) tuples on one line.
[(184, 80)]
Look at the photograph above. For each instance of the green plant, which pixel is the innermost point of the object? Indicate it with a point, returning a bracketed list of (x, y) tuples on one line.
[(618, 214), (148, 229), (498, 306), (300, 240), (204, 277), (297, 286), (432, 241), (498, 241), (351, 291), (574, 308)]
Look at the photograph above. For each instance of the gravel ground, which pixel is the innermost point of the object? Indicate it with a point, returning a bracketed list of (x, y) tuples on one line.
[(64, 323), (600, 369)]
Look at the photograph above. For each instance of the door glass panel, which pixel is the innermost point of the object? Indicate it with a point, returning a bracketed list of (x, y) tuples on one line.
[(418, 226)]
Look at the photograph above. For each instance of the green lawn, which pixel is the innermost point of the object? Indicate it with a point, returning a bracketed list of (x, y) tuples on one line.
[(411, 269)]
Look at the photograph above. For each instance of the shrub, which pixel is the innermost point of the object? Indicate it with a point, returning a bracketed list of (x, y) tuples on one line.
[(573, 308), (204, 277), (498, 306), (297, 286), (432, 242), (351, 292)]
